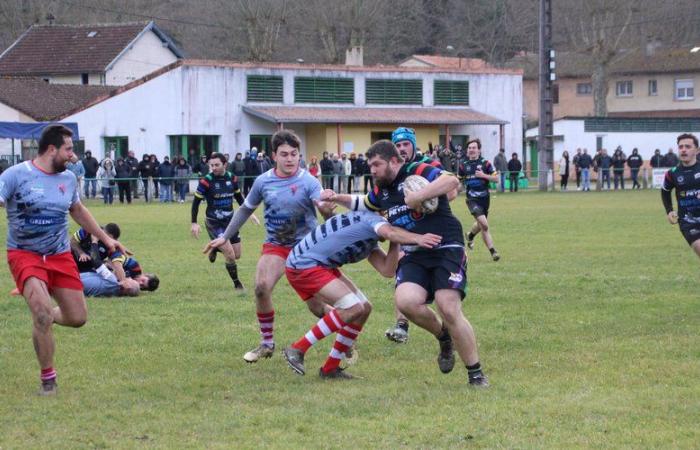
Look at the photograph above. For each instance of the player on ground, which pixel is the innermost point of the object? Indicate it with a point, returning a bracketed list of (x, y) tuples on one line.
[(219, 188), (38, 195), (685, 179), (405, 141), (291, 196), (313, 271), (476, 173), (437, 274)]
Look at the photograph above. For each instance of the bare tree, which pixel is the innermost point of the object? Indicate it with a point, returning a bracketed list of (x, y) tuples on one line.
[(263, 20)]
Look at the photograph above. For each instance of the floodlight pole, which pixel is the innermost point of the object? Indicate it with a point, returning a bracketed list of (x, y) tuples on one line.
[(545, 147)]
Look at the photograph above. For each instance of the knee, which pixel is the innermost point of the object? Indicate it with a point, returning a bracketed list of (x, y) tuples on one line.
[(262, 290), (484, 227), (43, 319), (77, 322)]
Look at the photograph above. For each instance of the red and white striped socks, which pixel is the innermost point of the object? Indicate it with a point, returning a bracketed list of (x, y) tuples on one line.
[(328, 324), (266, 321), (343, 341), (48, 374)]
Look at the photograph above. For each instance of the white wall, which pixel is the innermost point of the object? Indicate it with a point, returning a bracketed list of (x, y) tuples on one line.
[(9, 114), (145, 56), (574, 136)]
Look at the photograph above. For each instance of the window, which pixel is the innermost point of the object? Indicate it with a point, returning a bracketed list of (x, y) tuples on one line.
[(584, 89), (394, 92), (84, 78), (117, 144), (324, 90), (684, 90), (264, 88), (644, 125), (451, 92), (623, 88), (201, 144), (653, 87), (555, 94), (263, 142)]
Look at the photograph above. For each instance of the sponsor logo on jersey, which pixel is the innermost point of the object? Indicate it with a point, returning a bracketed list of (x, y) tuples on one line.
[(455, 277)]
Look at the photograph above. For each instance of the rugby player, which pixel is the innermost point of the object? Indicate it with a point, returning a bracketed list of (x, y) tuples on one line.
[(219, 188), (423, 275), (685, 179), (39, 195), (476, 173), (291, 197), (313, 271)]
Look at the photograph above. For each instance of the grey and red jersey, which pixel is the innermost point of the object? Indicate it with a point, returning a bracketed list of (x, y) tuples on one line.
[(289, 211), (37, 206)]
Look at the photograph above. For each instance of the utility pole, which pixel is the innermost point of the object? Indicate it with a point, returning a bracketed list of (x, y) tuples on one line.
[(545, 146)]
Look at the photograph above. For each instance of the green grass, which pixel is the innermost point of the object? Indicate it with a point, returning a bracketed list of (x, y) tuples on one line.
[(588, 330)]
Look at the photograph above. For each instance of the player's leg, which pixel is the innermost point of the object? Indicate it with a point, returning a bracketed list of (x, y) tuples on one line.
[(449, 306), (483, 224), (71, 310), (696, 247), (399, 332), (229, 251), (269, 270), (473, 231), (36, 294), (410, 298)]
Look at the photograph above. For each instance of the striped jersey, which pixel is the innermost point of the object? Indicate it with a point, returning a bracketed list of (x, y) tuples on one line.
[(342, 239), (219, 192)]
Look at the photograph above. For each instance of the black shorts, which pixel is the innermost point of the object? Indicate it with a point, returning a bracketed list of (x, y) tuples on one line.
[(216, 229), (691, 234), (479, 206), (434, 270)]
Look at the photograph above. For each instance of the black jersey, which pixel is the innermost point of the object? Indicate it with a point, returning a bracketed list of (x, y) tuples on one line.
[(477, 188), (686, 182), (391, 200), (219, 192)]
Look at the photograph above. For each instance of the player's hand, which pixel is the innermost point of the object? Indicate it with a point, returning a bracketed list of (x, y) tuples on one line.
[(413, 201), (429, 240), (195, 230), (672, 217), (216, 243), (326, 207), (328, 195), (480, 174), (114, 245), (84, 257), (254, 219)]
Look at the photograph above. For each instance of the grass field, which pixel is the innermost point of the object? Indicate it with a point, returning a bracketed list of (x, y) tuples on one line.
[(588, 331)]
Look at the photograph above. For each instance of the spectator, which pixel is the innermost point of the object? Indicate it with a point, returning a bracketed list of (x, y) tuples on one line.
[(618, 164), (146, 173), (91, 166), (238, 166), (584, 163), (577, 169), (355, 180), (76, 166), (501, 165), (183, 171), (564, 169), (635, 162), (446, 157), (367, 174), (251, 170), (302, 162), (166, 172), (604, 165), (347, 172), (263, 163), (154, 177), (133, 165), (314, 168), (514, 168), (123, 173), (338, 171), (106, 175), (192, 158), (326, 171), (657, 160), (670, 159)]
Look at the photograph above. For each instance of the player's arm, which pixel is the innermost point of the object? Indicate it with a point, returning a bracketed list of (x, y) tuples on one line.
[(401, 236), (489, 173), (237, 221), (385, 263), (442, 185), (353, 202), (194, 228), (82, 216), (666, 189), (75, 247)]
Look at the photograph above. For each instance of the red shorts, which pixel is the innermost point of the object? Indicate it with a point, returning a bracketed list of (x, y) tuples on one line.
[(57, 271), (307, 282), (277, 250)]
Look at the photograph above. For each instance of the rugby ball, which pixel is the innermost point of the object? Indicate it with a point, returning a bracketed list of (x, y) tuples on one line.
[(414, 183)]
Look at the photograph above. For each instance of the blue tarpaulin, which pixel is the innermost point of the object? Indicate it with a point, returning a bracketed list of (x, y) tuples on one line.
[(19, 130)]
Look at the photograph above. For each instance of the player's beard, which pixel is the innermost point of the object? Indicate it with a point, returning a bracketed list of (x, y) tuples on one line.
[(59, 167), (384, 180)]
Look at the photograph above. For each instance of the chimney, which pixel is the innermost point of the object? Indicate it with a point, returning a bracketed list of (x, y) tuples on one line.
[(652, 45), (353, 56)]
